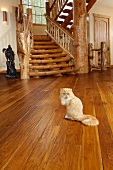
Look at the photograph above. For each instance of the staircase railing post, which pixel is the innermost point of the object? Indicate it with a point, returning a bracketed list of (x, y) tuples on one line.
[(90, 56), (103, 56)]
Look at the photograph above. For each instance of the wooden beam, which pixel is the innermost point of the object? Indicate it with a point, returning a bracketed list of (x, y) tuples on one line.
[(90, 4), (79, 33)]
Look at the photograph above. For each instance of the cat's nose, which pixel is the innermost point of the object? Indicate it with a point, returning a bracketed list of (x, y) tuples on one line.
[(66, 97)]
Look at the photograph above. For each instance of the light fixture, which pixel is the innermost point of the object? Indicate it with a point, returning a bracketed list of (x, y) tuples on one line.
[(4, 16)]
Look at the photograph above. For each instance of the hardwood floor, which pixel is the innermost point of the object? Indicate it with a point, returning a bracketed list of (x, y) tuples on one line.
[(34, 134)]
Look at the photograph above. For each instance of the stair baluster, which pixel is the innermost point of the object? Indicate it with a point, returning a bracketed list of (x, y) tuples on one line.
[(61, 36)]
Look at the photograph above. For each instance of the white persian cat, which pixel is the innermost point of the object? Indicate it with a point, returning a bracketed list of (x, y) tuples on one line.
[(74, 108)]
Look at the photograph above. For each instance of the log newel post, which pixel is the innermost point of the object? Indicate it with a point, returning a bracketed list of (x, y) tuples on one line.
[(24, 40), (103, 56), (80, 31)]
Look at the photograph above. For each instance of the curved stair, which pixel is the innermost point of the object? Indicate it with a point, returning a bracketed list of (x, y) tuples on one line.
[(47, 58)]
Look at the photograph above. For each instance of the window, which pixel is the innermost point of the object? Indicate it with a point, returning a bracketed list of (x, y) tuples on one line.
[(38, 10)]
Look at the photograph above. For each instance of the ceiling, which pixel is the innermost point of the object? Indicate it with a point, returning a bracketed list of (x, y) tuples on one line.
[(108, 3)]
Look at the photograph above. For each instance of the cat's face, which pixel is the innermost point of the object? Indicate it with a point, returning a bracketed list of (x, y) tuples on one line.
[(65, 93)]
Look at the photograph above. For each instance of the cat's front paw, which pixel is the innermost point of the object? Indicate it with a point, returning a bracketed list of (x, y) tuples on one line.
[(66, 116)]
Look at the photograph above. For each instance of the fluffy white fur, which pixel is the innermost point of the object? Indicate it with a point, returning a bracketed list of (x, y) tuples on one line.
[(74, 108)]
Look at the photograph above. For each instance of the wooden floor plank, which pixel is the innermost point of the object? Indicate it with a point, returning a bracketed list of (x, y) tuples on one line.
[(63, 157), (90, 140), (43, 109), (105, 133), (34, 135), (107, 99)]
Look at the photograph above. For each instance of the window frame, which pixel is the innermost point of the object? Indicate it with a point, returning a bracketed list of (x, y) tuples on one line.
[(38, 17)]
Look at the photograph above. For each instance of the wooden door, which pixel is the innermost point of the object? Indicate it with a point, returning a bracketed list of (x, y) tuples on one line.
[(101, 34)]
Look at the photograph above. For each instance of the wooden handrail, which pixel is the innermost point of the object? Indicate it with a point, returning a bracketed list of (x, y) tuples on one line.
[(58, 25), (61, 36)]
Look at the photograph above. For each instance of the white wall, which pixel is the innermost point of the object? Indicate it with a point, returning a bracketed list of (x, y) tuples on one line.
[(8, 31), (39, 29), (108, 11)]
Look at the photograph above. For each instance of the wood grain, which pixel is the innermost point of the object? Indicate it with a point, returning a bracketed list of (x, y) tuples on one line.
[(34, 134)]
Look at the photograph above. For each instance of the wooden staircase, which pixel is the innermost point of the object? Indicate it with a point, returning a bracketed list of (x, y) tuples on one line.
[(65, 19), (65, 15), (55, 53), (47, 58)]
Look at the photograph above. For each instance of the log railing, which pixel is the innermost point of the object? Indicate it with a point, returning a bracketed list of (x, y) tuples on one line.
[(101, 56), (61, 36), (57, 8)]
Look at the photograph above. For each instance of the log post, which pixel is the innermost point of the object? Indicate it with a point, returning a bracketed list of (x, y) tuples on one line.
[(79, 33), (24, 31), (103, 56), (90, 56)]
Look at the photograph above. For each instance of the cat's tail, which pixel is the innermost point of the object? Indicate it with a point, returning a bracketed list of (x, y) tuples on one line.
[(89, 120)]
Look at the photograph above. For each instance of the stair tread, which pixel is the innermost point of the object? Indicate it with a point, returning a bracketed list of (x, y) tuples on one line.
[(52, 66), (44, 43), (48, 55), (69, 4), (60, 22), (47, 51), (46, 47), (63, 16), (66, 10), (49, 61)]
